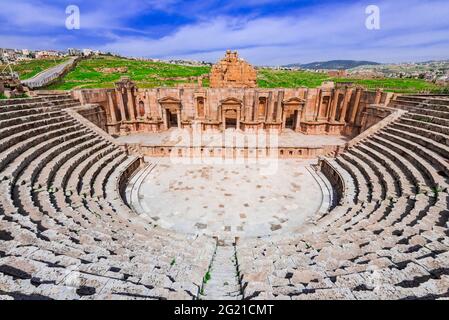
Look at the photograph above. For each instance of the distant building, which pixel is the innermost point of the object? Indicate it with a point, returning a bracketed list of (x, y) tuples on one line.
[(88, 52), (45, 54), (74, 52), (337, 73)]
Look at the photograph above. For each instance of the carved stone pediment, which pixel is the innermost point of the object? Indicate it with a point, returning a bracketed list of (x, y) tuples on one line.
[(169, 100), (294, 101), (231, 101)]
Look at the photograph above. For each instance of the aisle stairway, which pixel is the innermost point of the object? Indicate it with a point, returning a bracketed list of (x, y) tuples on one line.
[(221, 282)]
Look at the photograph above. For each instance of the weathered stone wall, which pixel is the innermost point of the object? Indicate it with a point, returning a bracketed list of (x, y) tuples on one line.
[(331, 111), (233, 72), (209, 152), (95, 114)]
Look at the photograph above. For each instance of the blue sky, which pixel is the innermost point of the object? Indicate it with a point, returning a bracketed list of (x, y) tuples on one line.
[(266, 32)]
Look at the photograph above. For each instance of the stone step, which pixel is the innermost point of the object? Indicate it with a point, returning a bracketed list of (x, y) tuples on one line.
[(223, 283)]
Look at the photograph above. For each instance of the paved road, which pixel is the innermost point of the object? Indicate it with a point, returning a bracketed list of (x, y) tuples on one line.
[(47, 76)]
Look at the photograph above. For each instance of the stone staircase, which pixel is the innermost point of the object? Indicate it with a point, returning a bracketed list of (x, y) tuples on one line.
[(221, 282)]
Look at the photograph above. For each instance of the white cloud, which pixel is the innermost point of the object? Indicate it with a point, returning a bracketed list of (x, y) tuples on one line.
[(410, 30), (326, 32)]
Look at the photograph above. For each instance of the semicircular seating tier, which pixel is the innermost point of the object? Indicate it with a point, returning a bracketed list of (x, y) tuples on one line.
[(66, 233), (387, 237)]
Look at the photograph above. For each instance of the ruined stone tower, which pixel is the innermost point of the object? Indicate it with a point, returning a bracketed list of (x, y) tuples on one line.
[(233, 72)]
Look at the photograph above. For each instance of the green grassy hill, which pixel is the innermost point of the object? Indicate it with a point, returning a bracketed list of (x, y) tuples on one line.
[(99, 73), (28, 69), (292, 79), (94, 73)]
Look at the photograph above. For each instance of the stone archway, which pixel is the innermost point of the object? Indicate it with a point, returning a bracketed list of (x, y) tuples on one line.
[(231, 113), (171, 112), (292, 113)]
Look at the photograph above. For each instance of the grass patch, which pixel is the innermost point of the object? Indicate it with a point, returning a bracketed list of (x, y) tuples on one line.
[(173, 262), (91, 73), (28, 69), (22, 96), (289, 79), (292, 79), (206, 277)]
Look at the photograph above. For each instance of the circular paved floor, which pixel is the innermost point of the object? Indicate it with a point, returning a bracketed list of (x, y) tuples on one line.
[(228, 200)]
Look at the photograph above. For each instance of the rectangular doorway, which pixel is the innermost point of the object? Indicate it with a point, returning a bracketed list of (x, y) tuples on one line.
[(231, 123), (172, 120)]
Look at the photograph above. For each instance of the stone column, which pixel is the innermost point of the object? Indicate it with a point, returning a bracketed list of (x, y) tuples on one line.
[(356, 105), (131, 108), (334, 106), (279, 106), (256, 107), (284, 119), (223, 118), (147, 105), (121, 105), (348, 96), (269, 116), (298, 119), (238, 119), (178, 115), (164, 118), (112, 108), (318, 105), (378, 96)]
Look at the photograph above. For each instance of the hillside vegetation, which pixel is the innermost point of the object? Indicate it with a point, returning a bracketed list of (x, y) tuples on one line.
[(291, 79), (28, 69), (103, 72), (99, 73)]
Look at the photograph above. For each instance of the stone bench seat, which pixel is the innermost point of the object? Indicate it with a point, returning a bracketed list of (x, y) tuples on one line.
[(26, 110), (46, 176), (428, 111), (370, 213), (403, 213), (397, 179), (13, 170), (425, 125), (32, 100), (86, 182), (41, 136), (418, 167), (78, 173), (32, 172), (102, 177), (435, 136), (20, 134), (364, 192), (60, 181), (432, 158), (11, 125), (427, 119), (441, 149), (381, 184), (340, 212), (410, 178), (38, 104)]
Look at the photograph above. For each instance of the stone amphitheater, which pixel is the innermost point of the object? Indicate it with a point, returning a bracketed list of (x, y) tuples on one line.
[(67, 230)]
